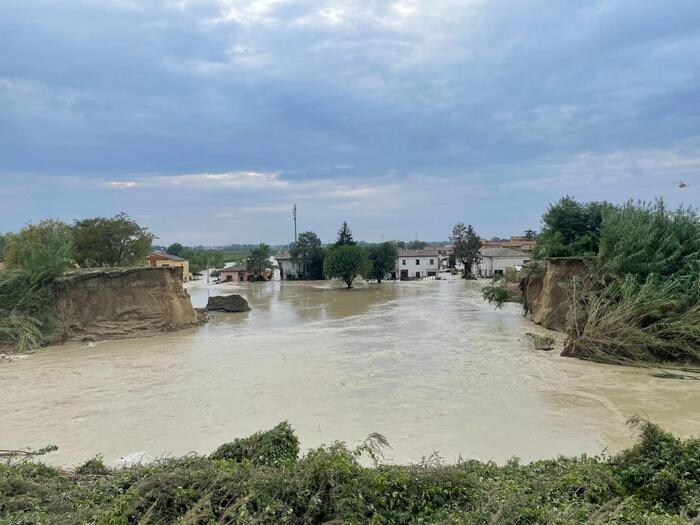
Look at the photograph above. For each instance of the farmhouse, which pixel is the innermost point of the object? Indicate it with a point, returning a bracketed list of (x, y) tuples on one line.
[(163, 259), (239, 273), (289, 268), (416, 264), (495, 261)]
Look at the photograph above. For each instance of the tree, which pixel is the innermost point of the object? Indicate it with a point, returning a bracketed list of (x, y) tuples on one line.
[(530, 235), (3, 243), (401, 244), (259, 260), (44, 250), (416, 245), (344, 236), (118, 241), (383, 260), (346, 262), (175, 249), (467, 245), (570, 228), (308, 253)]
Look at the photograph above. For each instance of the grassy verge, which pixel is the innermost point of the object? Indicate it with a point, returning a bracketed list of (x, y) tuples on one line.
[(261, 479)]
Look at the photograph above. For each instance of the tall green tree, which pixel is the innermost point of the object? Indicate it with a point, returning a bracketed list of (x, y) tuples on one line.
[(116, 241), (467, 245), (346, 262), (308, 253), (416, 245), (259, 260), (383, 260), (571, 228), (344, 236), (175, 249), (44, 250)]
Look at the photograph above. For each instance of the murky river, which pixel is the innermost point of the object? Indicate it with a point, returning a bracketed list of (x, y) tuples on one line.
[(427, 364)]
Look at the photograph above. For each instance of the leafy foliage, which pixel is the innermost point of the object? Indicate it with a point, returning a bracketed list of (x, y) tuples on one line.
[(643, 304), (654, 483), (175, 249), (273, 448), (308, 252), (467, 245), (43, 250), (116, 241), (571, 228), (259, 260), (346, 262), (382, 259)]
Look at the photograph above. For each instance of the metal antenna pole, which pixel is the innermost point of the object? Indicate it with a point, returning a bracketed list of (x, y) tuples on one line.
[(294, 212)]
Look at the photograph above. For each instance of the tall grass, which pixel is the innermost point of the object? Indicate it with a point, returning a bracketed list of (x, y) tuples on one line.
[(643, 304)]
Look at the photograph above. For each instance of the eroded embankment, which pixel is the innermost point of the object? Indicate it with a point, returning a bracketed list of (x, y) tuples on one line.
[(546, 296), (120, 303)]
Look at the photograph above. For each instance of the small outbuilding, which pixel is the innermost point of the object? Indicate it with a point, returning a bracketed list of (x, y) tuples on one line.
[(497, 261)]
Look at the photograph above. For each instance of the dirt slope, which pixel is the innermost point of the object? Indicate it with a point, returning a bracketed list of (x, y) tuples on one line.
[(116, 303)]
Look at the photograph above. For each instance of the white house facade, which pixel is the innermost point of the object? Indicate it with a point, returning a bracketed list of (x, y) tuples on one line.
[(495, 261), (289, 268), (416, 264)]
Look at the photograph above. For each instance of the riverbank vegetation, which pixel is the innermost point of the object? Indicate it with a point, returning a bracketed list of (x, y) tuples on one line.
[(640, 302), (262, 479), (40, 253)]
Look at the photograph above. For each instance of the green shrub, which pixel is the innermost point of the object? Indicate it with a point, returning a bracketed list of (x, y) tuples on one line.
[(654, 483), (93, 466), (275, 447)]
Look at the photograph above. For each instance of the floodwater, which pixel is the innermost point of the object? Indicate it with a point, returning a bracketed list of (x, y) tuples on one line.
[(427, 364)]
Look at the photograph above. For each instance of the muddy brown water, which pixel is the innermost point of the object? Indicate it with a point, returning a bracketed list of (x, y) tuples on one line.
[(427, 364)]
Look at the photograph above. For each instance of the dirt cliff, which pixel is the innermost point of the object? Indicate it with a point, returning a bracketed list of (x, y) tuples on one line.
[(546, 298), (117, 303)]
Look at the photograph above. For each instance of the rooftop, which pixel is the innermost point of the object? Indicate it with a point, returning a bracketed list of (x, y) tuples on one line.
[(166, 255), (427, 252), (504, 252)]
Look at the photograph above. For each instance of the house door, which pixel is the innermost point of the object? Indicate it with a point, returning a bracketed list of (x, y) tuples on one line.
[(404, 274), (417, 275)]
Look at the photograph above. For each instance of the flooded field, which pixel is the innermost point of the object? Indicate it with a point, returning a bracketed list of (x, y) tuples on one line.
[(427, 364)]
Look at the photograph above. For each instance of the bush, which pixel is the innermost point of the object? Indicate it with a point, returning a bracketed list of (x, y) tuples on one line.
[(275, 447), (655, 482), (93, 466)]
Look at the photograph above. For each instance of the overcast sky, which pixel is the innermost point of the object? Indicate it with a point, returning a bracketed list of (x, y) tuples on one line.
[(207, 119)]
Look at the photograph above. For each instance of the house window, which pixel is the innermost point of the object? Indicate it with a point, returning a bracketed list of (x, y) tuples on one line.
[(403, 262), (432, 261), (498, 272), (417, 262)]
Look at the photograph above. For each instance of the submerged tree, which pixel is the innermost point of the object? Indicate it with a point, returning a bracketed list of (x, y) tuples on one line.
[(344, 236), (308, 253), (346, 262), (467, 245), (383, 260), (259, 260), (116, 241)]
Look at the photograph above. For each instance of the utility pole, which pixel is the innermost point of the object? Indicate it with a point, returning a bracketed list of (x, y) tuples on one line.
[(294, 213)]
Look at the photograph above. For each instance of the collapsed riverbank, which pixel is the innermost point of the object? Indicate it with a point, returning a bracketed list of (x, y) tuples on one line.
[(262, 479)]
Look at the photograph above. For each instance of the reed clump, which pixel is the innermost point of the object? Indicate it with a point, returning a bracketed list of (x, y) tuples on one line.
[(642, 304)]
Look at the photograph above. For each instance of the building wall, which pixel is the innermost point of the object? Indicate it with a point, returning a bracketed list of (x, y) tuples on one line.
[(423, 265), (490, 266), (287, 267), (185, 265)]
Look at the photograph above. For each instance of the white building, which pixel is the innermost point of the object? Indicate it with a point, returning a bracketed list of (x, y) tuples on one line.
[(289, 268), (495, 261), (416, 264)]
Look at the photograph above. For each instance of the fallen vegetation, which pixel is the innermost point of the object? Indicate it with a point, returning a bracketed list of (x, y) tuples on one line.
[(261, 480)]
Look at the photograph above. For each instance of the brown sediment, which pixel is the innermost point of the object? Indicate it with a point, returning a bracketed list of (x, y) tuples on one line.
[(120, 303)]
